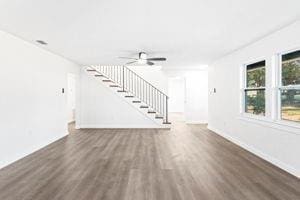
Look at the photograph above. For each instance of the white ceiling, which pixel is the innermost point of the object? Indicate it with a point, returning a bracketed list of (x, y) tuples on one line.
[(187, 32)]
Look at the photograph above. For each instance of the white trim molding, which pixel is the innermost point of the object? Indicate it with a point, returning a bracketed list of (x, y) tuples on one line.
[(257, 152), (197, 122), (33, 149), (283, 125)]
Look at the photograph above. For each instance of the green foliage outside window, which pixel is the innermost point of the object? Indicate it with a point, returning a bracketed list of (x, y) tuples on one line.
[(255, 92), (256, 77), (290, 98), (291, 73), (255, 102)]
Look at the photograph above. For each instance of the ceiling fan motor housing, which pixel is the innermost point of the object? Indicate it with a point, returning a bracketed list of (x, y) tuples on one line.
[(142, 55)]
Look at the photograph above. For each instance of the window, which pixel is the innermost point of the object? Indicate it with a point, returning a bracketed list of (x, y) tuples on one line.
[(290, 86), (255, 88)]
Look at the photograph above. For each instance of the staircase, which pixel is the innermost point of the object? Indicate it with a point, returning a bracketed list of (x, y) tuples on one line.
[(141, 93)]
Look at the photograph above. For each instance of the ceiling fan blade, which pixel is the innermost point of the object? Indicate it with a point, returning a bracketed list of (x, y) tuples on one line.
[(150, 63), (156, 59), (131, 62), (127, 58)]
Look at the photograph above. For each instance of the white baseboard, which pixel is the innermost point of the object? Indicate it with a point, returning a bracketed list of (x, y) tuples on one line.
[(257, 152), (106, 126), (31, 150), (77, 126), (196, 122)]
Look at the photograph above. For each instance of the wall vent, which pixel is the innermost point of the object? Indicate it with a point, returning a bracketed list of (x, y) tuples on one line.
[(41, 42)]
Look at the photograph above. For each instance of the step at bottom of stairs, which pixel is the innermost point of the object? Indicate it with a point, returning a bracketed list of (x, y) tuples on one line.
[(107, 80)]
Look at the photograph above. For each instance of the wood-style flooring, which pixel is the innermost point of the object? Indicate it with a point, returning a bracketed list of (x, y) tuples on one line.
[(188, 162)]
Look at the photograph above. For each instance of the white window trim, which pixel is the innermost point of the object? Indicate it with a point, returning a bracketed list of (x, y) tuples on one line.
[(280, 87), (278, 125), (243, 88), (274, 120)]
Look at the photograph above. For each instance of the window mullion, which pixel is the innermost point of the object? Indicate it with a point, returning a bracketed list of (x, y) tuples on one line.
[(296, 87), (255, 88)]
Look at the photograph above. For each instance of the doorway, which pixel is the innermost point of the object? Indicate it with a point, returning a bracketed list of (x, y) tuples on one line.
[(71, 99), (176, 87)]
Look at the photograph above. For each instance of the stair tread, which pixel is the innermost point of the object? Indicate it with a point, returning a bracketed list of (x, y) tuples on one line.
[(122, 91), (144, 106), (91, 70), (114, 86), (152, 112), (159, 117), (167, 123), (97, 75), (136, 102), (129, 96), (107, 80)]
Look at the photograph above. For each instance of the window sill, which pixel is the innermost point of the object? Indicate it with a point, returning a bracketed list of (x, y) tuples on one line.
[(282, 125)]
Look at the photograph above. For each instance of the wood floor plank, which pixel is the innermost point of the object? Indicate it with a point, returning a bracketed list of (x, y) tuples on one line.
[(188, 162)]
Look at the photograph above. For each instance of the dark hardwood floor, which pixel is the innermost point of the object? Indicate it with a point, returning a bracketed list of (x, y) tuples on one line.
[(189, 162)]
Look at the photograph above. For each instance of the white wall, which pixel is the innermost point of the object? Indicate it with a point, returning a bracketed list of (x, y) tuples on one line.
[(278, 144), (196, 106), (71, 96), (196, 93), (101, 107), (32, 107), (154, 75), (176, 94)]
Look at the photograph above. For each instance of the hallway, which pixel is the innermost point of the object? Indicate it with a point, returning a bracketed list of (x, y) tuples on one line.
[(189, 162)]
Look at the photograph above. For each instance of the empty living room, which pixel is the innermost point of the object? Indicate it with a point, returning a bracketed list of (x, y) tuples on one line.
[(150, 100)]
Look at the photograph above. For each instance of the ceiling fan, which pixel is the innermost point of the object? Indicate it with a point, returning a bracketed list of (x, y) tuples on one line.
[(143, 59)]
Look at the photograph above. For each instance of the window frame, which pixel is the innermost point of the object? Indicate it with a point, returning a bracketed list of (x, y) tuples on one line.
[(280, 88), (273, 76), (244, 89)]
